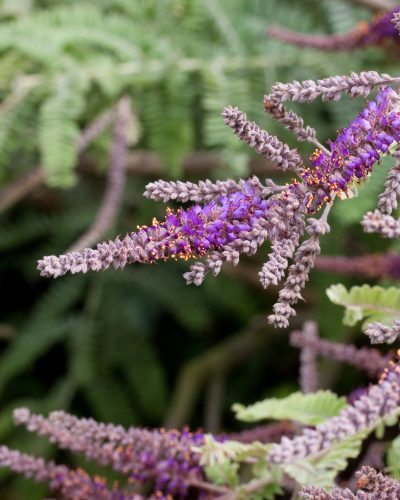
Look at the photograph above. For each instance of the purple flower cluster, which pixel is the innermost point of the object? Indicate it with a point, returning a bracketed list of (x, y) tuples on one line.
[(377, 486), (161, 459), (381, 28), (183, 234), (193, 232), (354, 152), (380, 401), (170, 462), (70, 484), (233, 218)]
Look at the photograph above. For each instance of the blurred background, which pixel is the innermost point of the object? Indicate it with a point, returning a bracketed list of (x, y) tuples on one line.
[(140, 347)]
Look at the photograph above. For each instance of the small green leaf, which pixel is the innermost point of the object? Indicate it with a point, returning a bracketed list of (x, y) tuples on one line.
[(214, 452), (263, 469), (393, 458), (269, 492), (309, 409), (372, 303), (223, 474), (321, 471)]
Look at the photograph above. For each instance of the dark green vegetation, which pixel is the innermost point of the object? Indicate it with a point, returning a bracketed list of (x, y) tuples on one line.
[(112, 345)]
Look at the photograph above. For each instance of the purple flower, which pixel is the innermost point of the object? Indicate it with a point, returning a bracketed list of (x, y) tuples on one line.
[(380, 401), (182, 234), (69, 483), (354, 152), (240, 217), (161, 459), (380, 28), (192, 232)]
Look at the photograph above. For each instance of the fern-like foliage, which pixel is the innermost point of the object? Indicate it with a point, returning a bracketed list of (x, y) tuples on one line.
[(59, 131), (74, 56)]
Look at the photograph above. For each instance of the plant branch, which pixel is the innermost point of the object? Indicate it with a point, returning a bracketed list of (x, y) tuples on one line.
[(376, 5), (30, 180), (20, 187), (212, 488), (116, 174)]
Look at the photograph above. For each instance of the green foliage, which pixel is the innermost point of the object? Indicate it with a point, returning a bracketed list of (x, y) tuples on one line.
[(215, 452), (228, 474), (371, 303), (58, 131), (322, 470), (319, 469), (32, 226), (274, 474), (309, 409), (393, 458), (46, 326), (111, 345), (223, 474), (77, 57)]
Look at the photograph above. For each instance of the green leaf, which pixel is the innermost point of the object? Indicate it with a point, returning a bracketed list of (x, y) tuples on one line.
[(393, 458), (372, 303), (223, 474), (309, 409), (263, 469), (269, 492), (321, 472), (214, 452)]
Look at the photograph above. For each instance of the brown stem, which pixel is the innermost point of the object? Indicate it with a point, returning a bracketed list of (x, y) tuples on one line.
[(230, 495), (203, 485), (213, 404), (28, 181), (348, 41), (6, 332), (376, 5), (247, 489), (116, 176), (267, 433), (20, 187), (95, 128), (140, 162)]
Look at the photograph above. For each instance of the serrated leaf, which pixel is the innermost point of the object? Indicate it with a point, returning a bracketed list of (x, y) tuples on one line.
[(393, 458), (372, 303), (309, 409), (321, 472)]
